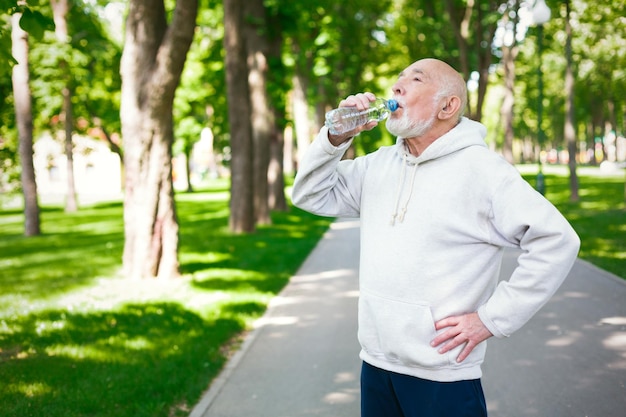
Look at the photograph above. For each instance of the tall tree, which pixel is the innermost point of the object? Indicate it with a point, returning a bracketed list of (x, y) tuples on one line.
[(23, 114), (570, 132), (474, 24), (242, 218), (257, 46), (152, 63), (509, 53), (276, 167), (60, 8)]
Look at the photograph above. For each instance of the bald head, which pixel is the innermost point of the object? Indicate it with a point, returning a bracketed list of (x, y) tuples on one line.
[(450, 82)]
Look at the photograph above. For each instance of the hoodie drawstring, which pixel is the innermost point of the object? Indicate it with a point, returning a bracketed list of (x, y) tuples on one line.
[(400, 215)]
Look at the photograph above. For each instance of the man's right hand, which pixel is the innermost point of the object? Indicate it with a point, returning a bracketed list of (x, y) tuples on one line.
[(360, 101)]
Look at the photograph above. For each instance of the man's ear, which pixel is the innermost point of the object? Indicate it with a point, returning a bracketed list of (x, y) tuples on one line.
[(449, 108)]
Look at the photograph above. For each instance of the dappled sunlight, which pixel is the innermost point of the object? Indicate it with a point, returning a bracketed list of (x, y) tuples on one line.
[(343, 377), (114, 353), (346, 224), (111, 293), (102, 352), (276, 321), (348, 294), (342, 397), (615, 341), (575, 294), (325, 275), (30, 390), (567, 339), (345, 389), (77, 334), (190, 259), (613, 321), (236, 280)]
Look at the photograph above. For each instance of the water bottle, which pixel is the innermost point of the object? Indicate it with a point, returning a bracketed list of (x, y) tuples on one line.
[(345, 119)]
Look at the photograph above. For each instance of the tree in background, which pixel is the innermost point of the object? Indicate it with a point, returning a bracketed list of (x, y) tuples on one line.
[(60, 9), (262, 117), (570, 132), (23, 114), (24, 20), (152, 62), (319, 52), (510, 49), (201, 98), (242, 218)]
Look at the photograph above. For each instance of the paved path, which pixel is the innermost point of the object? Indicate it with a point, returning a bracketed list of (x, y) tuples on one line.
[(302, 358)]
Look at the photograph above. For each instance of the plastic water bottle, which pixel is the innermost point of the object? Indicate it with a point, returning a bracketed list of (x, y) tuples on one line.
[(345, 119)]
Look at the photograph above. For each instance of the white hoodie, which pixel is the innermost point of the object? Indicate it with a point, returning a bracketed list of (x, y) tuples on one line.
[(433, 229)]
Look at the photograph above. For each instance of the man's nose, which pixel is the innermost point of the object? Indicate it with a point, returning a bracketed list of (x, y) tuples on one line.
[(397, 89)]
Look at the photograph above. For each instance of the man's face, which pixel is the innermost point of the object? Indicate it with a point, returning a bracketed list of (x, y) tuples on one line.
[(415, 91)]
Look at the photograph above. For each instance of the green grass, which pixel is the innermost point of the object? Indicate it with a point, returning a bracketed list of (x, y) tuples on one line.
[(76, 339), (599, 217)]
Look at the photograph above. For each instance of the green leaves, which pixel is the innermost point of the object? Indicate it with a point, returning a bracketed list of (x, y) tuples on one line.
[(35, 23)]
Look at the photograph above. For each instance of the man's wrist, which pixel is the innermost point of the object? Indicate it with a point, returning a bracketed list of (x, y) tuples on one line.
[(337, 140)]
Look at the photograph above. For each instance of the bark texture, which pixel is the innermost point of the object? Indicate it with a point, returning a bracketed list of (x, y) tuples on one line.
[(152, 63)]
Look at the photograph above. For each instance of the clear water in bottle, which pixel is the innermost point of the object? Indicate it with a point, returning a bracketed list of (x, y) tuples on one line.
[(345, 119)]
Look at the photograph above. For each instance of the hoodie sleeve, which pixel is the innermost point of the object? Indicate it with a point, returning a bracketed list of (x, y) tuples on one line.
[(524, 218), (326, 185)]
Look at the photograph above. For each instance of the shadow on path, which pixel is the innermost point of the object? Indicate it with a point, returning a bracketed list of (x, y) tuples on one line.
[(302, 358)]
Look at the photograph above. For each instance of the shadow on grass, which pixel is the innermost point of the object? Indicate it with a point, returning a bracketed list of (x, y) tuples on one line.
[(121, 363), (146, 358), (72, 250), (599, 217), (262, 261)]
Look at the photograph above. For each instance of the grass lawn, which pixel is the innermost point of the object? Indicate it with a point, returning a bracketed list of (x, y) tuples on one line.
[(76, 339), (599, 217)]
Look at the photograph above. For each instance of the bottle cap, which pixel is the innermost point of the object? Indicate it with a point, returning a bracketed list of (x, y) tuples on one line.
[(392, 105)]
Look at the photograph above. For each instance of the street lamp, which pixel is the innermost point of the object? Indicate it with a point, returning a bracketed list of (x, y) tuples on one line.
[(541, 14)]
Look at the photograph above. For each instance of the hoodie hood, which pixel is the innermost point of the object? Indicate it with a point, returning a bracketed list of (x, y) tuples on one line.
[(467, 133)]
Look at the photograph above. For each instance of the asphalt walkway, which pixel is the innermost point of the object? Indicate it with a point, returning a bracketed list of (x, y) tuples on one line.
[(302, 357)]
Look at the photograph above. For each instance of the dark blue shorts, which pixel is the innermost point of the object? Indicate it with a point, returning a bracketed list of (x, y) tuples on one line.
[(388, 394)]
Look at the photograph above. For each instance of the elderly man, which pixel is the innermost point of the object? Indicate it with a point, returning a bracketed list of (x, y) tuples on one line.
[(437, 210)]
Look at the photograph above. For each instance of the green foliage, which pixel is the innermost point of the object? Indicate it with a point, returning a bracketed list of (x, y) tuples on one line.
[(93, 60), (341, 48), (32, 20), (599, 42), (9, 169), (76, 339), (200, 99), (35, 23)]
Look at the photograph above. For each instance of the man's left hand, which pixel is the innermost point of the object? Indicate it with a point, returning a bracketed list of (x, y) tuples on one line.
[(467, 329)]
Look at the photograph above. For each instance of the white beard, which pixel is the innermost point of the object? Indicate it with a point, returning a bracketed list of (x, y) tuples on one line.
[(406, 128)]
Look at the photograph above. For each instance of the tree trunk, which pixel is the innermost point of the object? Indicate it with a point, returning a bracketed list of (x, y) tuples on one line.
[(152, 62), (261, 118), (570, 132), (276, 171), (276, 168), (60, 9), (71, 203), (188, 151), (242, 184), (24, 118), (509, 54), (484, 31), (461, 33), (301, 115), (473, 17)]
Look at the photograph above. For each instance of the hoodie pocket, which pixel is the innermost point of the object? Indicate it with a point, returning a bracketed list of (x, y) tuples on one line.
[(398, 331)]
